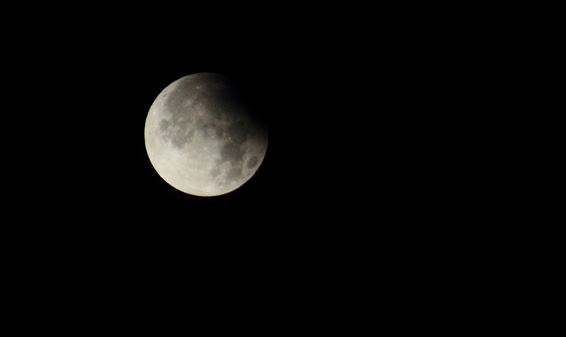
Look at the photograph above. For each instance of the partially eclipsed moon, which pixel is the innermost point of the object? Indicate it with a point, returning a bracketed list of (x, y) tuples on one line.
[(200, 137)]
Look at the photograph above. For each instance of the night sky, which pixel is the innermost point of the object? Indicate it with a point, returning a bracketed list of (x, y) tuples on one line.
[(368, 166)]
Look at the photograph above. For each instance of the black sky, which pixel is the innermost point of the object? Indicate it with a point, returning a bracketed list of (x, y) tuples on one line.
[(370, 161), (359, 113)]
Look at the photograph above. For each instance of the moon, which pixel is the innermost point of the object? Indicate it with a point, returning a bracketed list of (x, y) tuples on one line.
[(201, 137)]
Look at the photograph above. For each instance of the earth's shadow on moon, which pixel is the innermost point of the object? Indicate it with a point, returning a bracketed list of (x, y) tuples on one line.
[(232, 93)]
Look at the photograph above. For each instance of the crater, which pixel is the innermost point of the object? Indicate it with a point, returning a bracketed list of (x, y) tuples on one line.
[(235, 173), (231, 152), (252, 162), (238, 132)]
